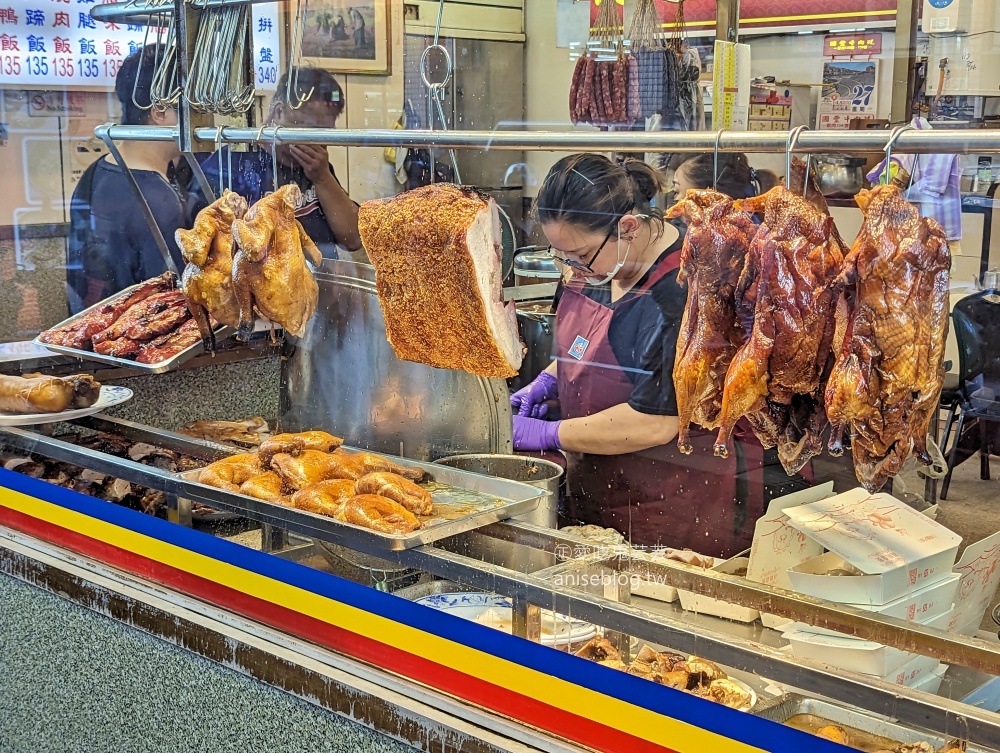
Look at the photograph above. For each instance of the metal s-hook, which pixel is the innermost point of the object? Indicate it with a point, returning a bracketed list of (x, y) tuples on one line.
[(893, 138), (793, 140), (218, 151), (715, 161), (274, 156)]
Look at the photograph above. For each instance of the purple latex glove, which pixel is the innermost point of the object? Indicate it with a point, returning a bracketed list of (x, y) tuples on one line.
[(530, 400), (535, 435)]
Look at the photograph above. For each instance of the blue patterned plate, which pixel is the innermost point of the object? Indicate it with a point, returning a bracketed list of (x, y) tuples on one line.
[(110, 396), (497, 611)]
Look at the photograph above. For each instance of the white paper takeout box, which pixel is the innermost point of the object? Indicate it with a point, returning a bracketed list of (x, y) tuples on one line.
[(931, 682), (979, 569), (699, 604), (895, 548), (652, 589), (922, 605), (777, 546), (853, 655)]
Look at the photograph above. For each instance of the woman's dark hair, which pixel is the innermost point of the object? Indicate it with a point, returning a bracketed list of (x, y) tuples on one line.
[(593, 193), (135, 81), (322, 83), (736, 177)]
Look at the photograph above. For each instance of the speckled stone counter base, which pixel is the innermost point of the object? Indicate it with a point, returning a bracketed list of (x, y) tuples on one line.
[(72, 681), (223, 392)]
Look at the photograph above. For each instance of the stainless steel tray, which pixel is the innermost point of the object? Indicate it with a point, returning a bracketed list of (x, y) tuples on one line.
[(867, 732), (221, 333), (464, 501)]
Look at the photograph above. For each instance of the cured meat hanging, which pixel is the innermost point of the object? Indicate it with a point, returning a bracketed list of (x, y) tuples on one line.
[(601, 91), (887, 380)]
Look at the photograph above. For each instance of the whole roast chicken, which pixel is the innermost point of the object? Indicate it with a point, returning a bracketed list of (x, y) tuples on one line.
[(269, 267), (208, 277), (887, 379), (792, 289), (712, 258)]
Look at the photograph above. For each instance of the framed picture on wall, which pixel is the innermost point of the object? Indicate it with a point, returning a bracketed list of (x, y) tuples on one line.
[(347, 36)]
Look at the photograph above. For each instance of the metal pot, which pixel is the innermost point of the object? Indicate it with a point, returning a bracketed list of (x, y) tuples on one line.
[(534, 265), (365, 569), (839, 176), (538, 327)]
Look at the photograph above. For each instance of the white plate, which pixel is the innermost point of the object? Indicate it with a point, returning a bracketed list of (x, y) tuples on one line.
[(496, 612), (110, 396)]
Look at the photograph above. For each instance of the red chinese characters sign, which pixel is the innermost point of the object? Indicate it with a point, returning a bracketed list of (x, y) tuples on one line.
[(699, 15)]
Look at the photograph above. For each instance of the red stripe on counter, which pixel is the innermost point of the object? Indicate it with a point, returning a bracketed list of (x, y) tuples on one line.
[(466, 687)]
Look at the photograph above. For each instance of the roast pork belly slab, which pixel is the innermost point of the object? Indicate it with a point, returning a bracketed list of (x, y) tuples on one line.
[(436, 252)]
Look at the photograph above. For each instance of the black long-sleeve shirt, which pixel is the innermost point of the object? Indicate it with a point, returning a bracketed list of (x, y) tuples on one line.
[(110, 244)]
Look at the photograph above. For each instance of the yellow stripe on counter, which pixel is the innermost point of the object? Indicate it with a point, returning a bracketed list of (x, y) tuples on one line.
[(615, 713)]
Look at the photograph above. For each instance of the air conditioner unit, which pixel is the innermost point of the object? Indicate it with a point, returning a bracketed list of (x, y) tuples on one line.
[(967, 34)]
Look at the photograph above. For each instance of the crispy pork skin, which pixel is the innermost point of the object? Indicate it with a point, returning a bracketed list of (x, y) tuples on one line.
[(436, 253)]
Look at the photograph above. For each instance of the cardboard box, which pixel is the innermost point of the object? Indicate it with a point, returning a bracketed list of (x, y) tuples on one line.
[(706, 605), (923, 605), (895, 549), (851, 654), (659, 591), (777, 546)]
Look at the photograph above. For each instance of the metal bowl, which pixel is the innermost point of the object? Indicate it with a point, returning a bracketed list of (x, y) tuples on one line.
[(839, 176)]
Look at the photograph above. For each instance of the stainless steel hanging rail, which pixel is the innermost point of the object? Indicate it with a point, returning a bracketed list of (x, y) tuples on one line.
[(810, 142), (142, 12)]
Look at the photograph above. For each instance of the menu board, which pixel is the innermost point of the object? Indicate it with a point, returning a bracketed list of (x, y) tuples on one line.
[(55, 43)]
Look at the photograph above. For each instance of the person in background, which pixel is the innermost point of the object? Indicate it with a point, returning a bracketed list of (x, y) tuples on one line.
[(110, 243), (327, 213), (736, 178), (613, 368)]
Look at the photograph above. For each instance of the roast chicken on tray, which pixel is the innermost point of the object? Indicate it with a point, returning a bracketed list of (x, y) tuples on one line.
[(813, 333), (310, 471)]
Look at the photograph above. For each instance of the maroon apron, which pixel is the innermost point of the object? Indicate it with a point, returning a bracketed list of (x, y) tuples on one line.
[(655, 497)]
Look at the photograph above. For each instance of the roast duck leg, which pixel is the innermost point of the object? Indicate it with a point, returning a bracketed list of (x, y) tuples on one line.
[(886, 383), (791, 288), (712, 258)]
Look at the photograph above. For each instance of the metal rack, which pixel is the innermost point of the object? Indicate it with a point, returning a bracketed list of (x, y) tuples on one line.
[(542, 589), (808, 142)]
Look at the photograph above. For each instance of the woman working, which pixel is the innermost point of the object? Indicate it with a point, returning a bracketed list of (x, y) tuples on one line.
[(613, 368)]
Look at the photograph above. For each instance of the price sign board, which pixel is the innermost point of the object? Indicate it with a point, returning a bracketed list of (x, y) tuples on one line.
[(55, 43), (266, 46)]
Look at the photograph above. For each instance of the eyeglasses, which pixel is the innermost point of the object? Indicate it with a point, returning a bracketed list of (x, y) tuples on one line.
[(579, 266)]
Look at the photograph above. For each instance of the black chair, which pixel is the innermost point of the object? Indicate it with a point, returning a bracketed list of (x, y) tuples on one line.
[(976, 319)]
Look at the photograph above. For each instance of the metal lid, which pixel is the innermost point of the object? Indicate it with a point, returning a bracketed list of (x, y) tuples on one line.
[(535, 264), (846, 161)]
